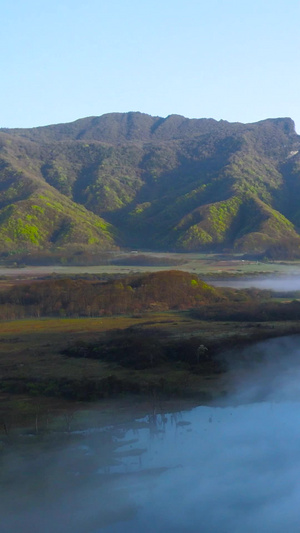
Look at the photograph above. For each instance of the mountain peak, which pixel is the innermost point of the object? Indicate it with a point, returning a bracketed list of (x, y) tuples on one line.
[(286, 124)]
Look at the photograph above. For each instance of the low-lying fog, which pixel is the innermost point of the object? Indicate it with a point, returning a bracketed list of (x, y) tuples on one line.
[(232, 468), (274, 283)]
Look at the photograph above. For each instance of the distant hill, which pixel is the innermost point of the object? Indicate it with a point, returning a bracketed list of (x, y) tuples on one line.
[(158, 291), (132, 180)]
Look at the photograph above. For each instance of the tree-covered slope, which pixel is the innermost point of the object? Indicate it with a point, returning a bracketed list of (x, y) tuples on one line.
[(159, 291), (34, 215), (142, 181)]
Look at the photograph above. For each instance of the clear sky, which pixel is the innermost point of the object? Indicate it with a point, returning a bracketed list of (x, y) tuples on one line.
[(236, 60)]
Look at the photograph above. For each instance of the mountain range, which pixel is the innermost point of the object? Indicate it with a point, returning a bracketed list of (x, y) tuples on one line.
[(137, 181)]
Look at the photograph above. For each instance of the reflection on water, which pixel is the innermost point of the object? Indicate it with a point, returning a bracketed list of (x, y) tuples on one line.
[(215, 469)]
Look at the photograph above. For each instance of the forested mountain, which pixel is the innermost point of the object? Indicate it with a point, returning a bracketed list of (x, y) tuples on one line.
[(140, 181)]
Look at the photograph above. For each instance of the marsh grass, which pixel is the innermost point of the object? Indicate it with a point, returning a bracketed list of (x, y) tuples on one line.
[(202, 264), (33, 348)]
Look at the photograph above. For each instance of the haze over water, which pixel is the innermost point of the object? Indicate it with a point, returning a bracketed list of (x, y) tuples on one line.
[(273, 283), (231, 467)]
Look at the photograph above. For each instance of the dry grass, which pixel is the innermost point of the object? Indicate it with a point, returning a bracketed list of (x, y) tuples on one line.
[(31, 349)]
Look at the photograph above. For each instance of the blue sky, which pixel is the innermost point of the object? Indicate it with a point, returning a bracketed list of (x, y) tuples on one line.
[(227, 59)]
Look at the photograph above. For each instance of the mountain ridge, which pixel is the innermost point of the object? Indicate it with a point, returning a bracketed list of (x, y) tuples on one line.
[(162, 183), (129, 126)]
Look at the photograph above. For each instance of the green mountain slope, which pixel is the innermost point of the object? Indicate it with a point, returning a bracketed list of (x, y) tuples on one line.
[(34, 215), (141, 181)]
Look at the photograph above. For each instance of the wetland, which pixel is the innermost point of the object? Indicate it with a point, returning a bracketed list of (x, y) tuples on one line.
[(178, 413), (58, 343), (230, 465)]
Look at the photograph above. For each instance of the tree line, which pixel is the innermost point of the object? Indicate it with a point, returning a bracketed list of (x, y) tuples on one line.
[(160, 291)]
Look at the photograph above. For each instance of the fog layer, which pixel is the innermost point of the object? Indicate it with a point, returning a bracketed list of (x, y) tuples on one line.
[(215, 469), (274, 283)]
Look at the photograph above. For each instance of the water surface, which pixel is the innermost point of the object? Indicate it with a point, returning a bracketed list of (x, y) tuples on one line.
[(223, 468)]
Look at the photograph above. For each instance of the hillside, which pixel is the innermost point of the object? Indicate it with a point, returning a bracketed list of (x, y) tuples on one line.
[(150, 292), (140, 181), (160, 291)]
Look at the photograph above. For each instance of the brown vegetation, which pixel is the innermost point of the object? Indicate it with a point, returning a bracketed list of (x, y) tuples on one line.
[(160, 291), (65, 297)]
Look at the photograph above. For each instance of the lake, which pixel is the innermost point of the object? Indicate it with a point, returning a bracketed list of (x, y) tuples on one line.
[(228, 467)]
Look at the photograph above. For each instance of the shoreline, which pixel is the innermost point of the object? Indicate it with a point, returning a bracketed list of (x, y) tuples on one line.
[(201, 384)]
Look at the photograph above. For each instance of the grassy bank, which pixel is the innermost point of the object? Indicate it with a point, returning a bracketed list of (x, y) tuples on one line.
[(47, 362)]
